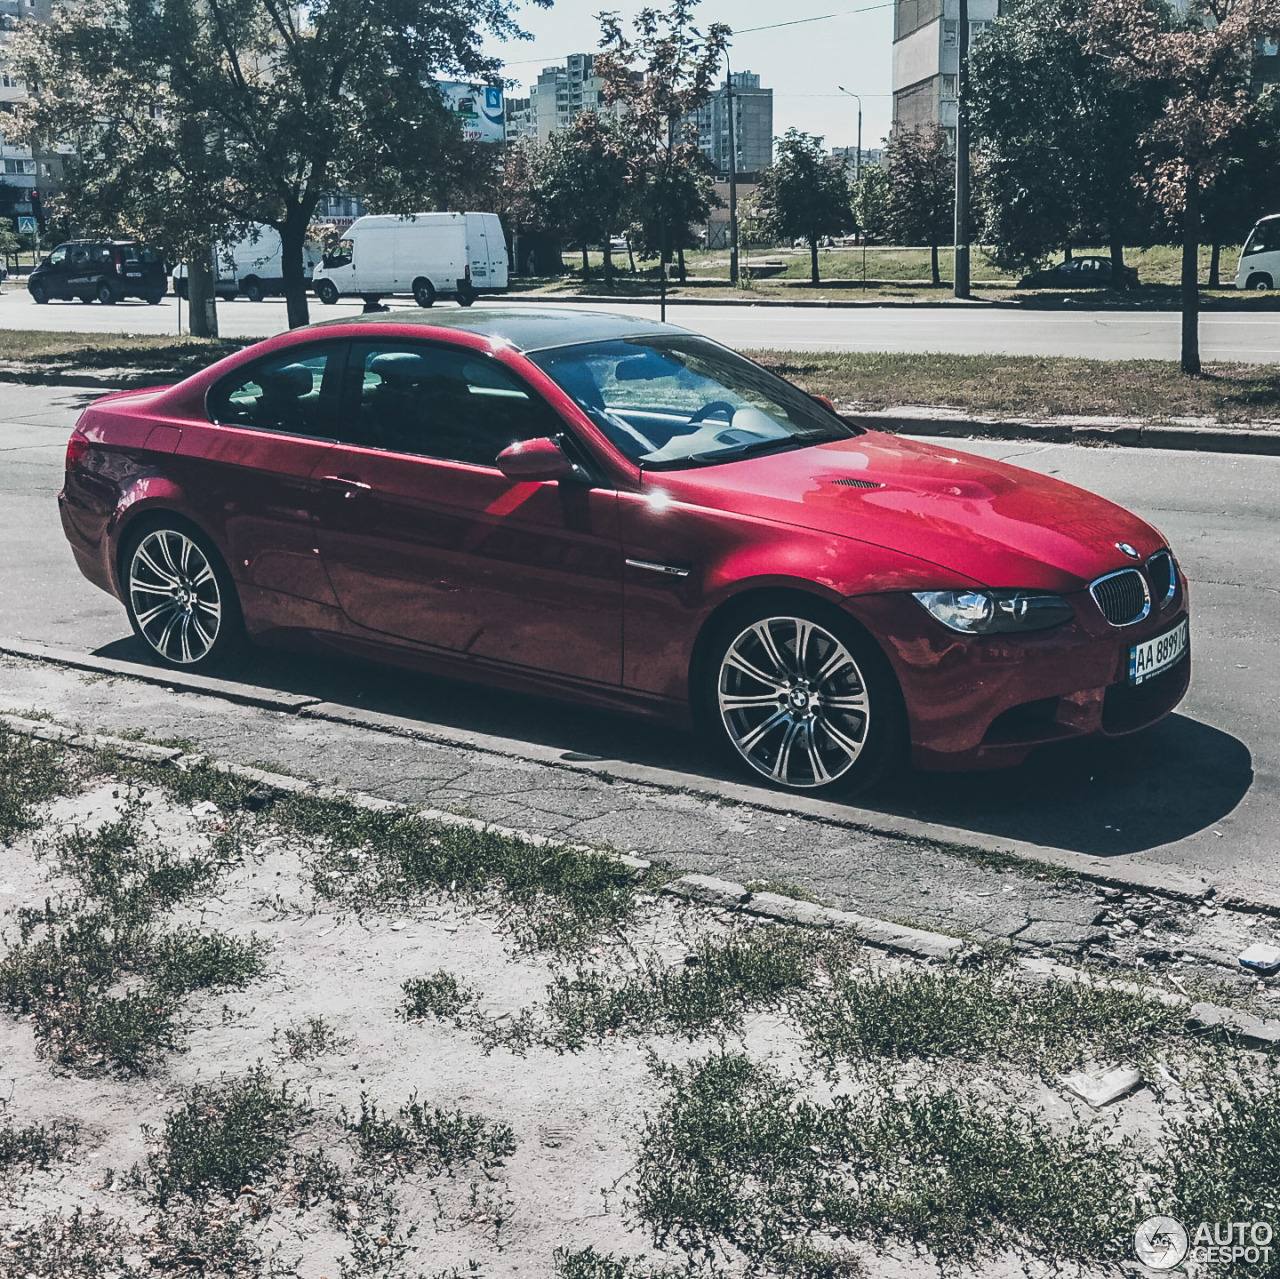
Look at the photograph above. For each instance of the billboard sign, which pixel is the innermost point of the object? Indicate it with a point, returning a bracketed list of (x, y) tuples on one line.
[(478, 108)]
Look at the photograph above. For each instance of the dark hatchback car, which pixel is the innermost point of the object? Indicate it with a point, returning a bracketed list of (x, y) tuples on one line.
[(1081, 273), (108, 270)]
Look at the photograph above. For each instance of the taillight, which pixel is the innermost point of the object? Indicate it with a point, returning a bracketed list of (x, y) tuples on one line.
[(119, 259), (468, 271), (77, 447)]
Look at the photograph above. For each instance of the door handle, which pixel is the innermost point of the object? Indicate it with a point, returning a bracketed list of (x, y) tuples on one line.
[(348, 485)]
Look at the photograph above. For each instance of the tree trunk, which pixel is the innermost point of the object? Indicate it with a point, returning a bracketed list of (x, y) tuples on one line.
[(813, 263), (293, 236), (684, 275), (201, 297), (608, 263), (631, 255), (1215, 262), (1117, 253), (1066, 251), (586, 266), (1191, 279), (933, 264)]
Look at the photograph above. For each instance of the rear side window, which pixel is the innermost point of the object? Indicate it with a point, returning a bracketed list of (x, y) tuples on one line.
[(294, 392)]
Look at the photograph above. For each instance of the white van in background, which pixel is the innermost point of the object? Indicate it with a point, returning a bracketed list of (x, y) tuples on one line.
[(430, 255), (251, 266), (1260, 258)]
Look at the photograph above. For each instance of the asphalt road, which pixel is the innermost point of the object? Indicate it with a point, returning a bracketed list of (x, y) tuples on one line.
[(1199, 791), (966, 330)]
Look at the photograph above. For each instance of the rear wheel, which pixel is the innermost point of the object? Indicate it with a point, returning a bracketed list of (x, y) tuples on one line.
[(180, 597), (804, 697), (424, 292), (106, 294), (466, 296), (327, 292), (252, 289), (153, 298), (39, 294)]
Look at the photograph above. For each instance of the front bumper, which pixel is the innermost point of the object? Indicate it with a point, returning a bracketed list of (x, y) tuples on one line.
[(987, 702)]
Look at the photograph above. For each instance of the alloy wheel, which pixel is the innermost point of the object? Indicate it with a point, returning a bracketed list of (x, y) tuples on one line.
[(794, 701), (175, 596)]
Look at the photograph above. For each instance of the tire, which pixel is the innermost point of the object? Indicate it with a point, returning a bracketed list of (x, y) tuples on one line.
[(153, 298), (1260, 283), (777, 717), (39, 294), (105, 294), (181, 601), (466, 297), (327, 292), (424, 293), (252, 289)]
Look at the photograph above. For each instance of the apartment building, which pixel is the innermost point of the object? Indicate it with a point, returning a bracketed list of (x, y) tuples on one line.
[(926, 59), (558, 96), (18, 166), (752, 125)]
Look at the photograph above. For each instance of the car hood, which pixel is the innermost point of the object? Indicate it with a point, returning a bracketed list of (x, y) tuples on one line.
[(993, 523)]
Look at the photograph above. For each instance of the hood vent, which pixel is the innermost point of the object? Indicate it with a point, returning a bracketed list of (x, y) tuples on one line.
[(858, 484)]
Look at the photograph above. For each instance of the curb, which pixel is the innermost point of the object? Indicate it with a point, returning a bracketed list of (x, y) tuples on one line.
[(1204, 439), (702, 889), (1133, 876)]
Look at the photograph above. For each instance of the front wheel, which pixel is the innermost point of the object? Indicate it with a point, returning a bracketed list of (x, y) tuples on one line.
[(252, 290), (180, 598), (39, 295), (1260, 283), (327, 292), (805, 698)]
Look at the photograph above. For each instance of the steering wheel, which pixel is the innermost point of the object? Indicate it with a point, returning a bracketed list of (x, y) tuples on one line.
[(716, 406)]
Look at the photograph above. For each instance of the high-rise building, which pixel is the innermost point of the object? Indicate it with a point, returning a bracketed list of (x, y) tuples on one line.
[(18, 166), (926, 59), (555, 100), (752, 125)]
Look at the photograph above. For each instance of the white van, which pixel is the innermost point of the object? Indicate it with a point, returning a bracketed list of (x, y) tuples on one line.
[(430, 255), (251, 266), (1260, 258)]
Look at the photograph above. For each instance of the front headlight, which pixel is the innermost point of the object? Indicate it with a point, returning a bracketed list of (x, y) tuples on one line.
[(995, 612)]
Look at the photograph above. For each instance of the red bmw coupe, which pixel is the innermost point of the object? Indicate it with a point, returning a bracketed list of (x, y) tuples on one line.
[(628, 515)]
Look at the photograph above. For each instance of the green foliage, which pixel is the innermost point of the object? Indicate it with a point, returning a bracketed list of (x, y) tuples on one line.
[(921, 172), (440, 995), (223, 1137), (435, 1137), (736, 1157), (870, 202), (30, 775), (312, 1038), (36, 1145), (803, 196)]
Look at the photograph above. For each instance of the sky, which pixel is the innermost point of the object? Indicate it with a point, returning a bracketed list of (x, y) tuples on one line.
[(803, 63)]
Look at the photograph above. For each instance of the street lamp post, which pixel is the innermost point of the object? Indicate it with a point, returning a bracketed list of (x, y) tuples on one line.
[(960, 271), (857, 162), (733, 175)]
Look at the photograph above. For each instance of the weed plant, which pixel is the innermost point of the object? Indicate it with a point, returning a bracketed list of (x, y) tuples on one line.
[(36, 1145), (313, 1038), (31, 774), (433, 1137), (441, 996)]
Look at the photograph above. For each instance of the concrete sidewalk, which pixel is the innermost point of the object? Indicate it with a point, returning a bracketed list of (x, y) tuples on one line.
[(906, 880)]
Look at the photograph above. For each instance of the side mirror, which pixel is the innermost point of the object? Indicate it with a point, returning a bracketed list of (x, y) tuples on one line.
[(826, 403), (540, 459)]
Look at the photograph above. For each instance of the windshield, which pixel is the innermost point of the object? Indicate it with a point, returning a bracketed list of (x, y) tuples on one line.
[(684, 401)]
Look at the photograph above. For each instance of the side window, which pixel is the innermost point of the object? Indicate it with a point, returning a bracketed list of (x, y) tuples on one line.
[(58, 256), (441, 402), (79, 256), (293, 392)]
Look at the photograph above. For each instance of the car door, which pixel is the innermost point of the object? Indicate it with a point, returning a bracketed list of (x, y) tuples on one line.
[(248, 473), (425, 540), (54, 278)]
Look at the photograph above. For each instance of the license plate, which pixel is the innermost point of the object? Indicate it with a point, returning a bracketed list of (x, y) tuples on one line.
[(1156, 655)]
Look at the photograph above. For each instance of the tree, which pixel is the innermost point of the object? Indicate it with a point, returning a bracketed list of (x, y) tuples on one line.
[(198, 117), (582, 183), (1058, 138), (1201, 63), (805, 197), (870, 202), (922, 188), (660, 76)]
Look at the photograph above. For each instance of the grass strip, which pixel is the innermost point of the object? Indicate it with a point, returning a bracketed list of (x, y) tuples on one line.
[(161, 352), (736, 1157), (983, 1015), (1033, 386), (31, 774)]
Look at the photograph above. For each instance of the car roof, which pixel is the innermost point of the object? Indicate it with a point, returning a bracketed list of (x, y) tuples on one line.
[(527, 328)]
